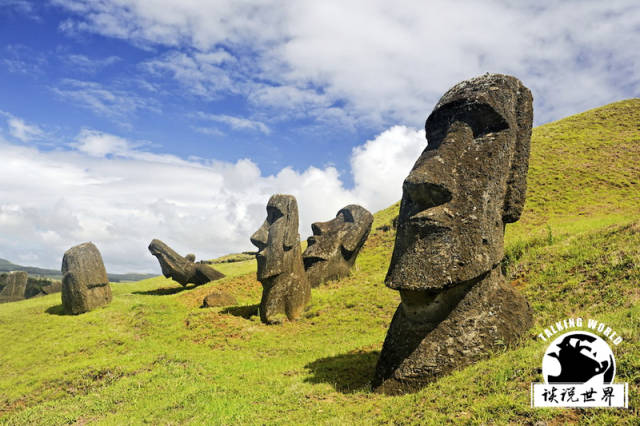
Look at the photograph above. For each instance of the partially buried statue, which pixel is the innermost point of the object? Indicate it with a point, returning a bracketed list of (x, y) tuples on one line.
[(285, 288), (467, 184), (85, 285), (15, 287), (182, 269), (335, 244)]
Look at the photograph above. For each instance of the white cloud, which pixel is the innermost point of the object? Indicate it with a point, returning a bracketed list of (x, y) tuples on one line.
[(236, 123), (112, 103), (384, 63), (21, 130), (202, 74), (109, 190), (88, 65)]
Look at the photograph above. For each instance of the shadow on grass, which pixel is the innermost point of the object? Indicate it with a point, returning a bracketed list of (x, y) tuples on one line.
[(164, 291), (242, 311), (56, 310), (348, 373)]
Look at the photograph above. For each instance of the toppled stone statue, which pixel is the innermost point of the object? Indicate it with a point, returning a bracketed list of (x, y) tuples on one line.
[(335, 244), (467, 184), (182, 269), (85, 285), (15, 287), (285, 287)]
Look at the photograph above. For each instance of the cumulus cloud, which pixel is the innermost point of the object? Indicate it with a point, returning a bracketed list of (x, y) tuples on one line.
[(383, 63), (111, 191)]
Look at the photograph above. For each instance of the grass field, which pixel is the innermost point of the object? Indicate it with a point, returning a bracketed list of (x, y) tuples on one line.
[(154, 356)]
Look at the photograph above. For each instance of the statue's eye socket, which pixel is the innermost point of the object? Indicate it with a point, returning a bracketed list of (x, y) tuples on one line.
[(273, 214), (345, 215)]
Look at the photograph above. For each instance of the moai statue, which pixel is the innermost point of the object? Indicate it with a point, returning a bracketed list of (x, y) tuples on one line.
[(335, 244), (182, 269), (15, 288), (85, 285), (468, 183), (285, 287)]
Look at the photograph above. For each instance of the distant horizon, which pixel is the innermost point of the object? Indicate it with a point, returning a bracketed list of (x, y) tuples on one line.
[(177, 121)]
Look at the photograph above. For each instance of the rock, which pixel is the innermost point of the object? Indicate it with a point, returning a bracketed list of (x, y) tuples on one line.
[(181, 269), (335, 244), (191, 257), (15, 287), (219, 298), (467, 184), (85, 285), (285, 287)]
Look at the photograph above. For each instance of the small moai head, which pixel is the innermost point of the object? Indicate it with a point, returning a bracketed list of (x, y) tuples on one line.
[(277, 236), (335, 244), (467, 184), (190, 257)]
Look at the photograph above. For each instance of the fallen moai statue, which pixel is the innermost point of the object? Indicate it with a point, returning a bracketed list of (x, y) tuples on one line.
[(334, 246), (285, 287), (85, 285), (182, 269), (468, 183), (15, 287)]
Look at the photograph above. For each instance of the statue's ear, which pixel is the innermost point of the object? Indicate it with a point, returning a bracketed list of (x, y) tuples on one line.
[(354, 236), (361, 220), (517, 181), (291, 236)]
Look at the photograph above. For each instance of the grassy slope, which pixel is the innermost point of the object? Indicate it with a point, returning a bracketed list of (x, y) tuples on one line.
[(154, 356)]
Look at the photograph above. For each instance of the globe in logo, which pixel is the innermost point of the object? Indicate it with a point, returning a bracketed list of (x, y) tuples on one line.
[(578, 357)]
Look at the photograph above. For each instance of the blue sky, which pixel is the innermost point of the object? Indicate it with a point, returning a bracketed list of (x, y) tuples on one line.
[(123, 121)]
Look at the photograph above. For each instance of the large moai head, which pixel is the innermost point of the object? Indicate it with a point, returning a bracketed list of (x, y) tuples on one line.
[(182, 269), (467, 184), (335, 244), (277, 236), (285, 287), (85, 285)]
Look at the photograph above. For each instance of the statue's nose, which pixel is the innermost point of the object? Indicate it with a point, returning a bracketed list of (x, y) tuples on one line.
[(424, 193), (319, 228), (260, 237)]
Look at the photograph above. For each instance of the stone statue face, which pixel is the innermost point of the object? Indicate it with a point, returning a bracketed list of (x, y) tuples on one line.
[(172, 264), (277, 236), (468, 182), (335, 244)]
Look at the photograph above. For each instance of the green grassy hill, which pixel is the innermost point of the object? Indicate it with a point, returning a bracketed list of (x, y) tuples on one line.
[(154, 356)]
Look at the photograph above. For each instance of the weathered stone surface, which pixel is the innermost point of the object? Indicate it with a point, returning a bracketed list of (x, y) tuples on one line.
[(219, 298), (15, 287), (335, 244), (182, 269), (41, 287), (285, 287), (85, 285), (54, 287), (467, 184)]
